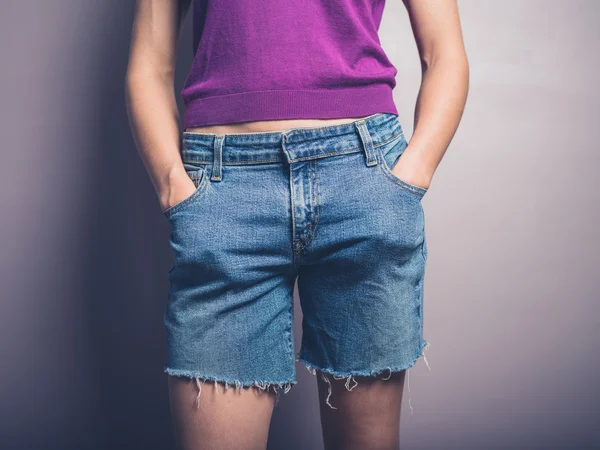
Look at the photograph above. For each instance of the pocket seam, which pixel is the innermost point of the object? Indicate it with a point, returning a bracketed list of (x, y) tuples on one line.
[(390, 139), (424, 241), (418, 191), (200, 187)]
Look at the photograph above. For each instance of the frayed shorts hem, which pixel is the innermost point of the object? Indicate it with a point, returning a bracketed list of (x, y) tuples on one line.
[(350, 376), (312, 368), (276, 386), (263, 384)]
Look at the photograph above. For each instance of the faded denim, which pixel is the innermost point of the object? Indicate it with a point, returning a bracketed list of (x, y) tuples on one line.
[(318, 203)]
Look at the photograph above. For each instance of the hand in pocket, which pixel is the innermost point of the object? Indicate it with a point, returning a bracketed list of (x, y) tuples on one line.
[(410, 171), (180, 189)]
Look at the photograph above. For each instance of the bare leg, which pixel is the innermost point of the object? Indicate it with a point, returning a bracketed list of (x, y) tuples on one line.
[(368, 416), (225, 420)]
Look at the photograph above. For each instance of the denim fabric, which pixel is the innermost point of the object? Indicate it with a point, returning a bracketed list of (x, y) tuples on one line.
[(317, 203)]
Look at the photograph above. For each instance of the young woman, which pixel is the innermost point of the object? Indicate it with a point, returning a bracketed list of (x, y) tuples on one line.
[(292, 165)]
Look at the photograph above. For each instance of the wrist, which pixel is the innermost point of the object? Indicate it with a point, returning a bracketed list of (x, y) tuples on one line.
[(170, 176), (169, 180), (412, 168)]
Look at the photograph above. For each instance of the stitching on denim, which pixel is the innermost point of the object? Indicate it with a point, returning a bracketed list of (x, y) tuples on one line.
[(293, 209), (421, 306), (200, 188), (254, 161), (318, 199), (367, 144), (417, 297), (322, 155), (291, 328), (397, 181), (390, 139), (310, 225), (216, 171), (351, 149), (423, 243), (235, 163), (304, 158)]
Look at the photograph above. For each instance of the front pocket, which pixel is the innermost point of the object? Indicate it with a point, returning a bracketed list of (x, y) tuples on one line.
[(198, 175), (388, 156)]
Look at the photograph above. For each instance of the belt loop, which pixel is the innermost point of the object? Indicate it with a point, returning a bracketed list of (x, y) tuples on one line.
[(367, 142), (217, 171), (288, 158)]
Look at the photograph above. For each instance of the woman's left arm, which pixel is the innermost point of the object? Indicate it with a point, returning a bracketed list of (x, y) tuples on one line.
[(444, 85)]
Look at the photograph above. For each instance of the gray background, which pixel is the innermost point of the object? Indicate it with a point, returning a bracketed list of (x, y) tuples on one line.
[(511, 306)]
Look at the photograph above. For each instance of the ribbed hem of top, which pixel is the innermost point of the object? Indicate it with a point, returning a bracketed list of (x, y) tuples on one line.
[(290, 104)]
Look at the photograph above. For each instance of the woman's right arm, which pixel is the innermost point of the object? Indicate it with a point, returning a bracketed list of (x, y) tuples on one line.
[(150, 96)]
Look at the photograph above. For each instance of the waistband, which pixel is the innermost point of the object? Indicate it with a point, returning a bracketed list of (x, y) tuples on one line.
[(290, 145)]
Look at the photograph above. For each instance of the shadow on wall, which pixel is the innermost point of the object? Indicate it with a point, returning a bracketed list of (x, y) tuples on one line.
[(511, 289), (127, 258)]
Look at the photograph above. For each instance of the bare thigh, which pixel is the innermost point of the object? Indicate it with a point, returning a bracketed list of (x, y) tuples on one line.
[(368, 416), (225, 420)]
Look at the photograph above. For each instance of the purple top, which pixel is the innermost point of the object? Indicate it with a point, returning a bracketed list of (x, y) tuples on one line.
[(280, 59)]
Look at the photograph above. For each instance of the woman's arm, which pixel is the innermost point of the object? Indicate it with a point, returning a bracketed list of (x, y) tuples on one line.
[(150, 95), (444, 85)]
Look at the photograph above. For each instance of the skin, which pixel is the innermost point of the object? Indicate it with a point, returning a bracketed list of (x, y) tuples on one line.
[(369, 415), (226, 420)]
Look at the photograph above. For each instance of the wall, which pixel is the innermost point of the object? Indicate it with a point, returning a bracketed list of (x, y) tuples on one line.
[(512, 295)]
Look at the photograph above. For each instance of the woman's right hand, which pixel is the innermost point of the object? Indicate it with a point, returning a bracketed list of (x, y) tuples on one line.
[(178, 189)]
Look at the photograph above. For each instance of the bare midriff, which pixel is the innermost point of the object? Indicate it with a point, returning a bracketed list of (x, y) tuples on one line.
[(268, 125)]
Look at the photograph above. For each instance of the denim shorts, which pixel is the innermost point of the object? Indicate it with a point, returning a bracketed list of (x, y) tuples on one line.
[(318, 206)]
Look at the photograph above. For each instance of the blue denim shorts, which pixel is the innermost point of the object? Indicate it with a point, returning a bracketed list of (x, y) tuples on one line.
[(317, 205)]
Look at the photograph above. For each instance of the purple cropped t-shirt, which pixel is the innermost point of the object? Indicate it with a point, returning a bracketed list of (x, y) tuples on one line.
[(286, 59)]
